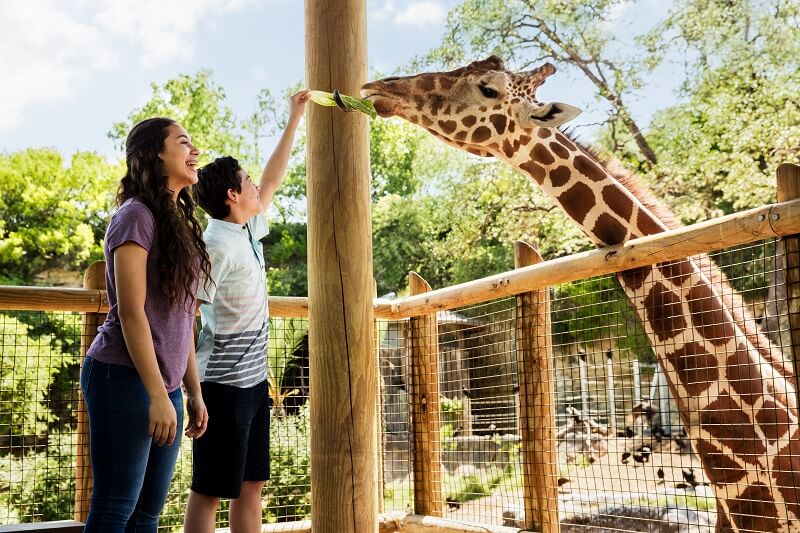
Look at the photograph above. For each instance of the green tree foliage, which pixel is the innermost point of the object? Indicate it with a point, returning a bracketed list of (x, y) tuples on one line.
[(52, 216), (27, 368), (394, 149), (741, 116), (40, 486), (197, 103), (573, 35)]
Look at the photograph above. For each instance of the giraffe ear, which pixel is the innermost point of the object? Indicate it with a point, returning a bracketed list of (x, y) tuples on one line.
[(550, 115)]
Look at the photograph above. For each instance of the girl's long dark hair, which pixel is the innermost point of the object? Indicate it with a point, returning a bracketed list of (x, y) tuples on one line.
[(179, 242)]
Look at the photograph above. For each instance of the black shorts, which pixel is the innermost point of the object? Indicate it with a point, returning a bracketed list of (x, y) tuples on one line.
[(235, 447)]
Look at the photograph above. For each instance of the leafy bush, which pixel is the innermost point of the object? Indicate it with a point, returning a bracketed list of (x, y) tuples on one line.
[(289, 487), (27, 368), (42, 484)]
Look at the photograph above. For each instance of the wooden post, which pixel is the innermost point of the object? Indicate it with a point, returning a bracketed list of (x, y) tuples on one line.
[(637, 393), (93, 278), (536, 401), (583, 378), (343, 392), (379, 392), (789, 189), (663, 402), (425, 408), (612, 401)]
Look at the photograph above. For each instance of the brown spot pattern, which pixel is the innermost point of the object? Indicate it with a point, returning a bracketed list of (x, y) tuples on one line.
[(499, 123), (708, 315), (537, 172), (448, 126), (609, 230), (468, 121), (786, 465), (426, 121), (696, 368), (543, 133), (425, 83), (589, 168), (774, 420), (676, 271), (744, 375), (436, 105), (618, 201), (664, 312), (566, 142), (724, 419), (542, 155), (508, 149), (720, 468), (480, 134), (635, 277), (559, 150), (647, 224), (754, 509), (560, 176), (445, 82), (511, 126), (461, 135), (577, 201)]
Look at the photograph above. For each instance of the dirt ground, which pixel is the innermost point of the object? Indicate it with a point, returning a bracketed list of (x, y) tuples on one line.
[(604, 483)]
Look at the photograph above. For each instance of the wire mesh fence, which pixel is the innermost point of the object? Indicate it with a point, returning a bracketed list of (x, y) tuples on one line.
[(39, 366), (622, 457)]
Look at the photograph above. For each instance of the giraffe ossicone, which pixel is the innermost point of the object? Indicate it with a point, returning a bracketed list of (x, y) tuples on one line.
[(735, 393)]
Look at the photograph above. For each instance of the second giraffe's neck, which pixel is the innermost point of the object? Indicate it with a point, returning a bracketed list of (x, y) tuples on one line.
[(728, 382)]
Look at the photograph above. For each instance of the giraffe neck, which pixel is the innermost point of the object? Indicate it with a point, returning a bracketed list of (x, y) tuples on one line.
[(735, 397)]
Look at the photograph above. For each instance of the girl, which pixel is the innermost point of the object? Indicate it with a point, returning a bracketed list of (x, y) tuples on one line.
[(132, 373)]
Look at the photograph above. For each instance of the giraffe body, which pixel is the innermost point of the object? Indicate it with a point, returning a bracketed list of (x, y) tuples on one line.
[(734, 393)]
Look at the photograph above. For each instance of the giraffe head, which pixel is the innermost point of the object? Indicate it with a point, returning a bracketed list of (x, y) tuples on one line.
[(473, 107)]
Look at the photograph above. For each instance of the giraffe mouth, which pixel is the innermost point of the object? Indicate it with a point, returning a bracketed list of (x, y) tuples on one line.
[(385, 105)]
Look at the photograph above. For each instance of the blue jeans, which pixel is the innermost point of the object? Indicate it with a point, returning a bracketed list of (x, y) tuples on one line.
[(131, 475)]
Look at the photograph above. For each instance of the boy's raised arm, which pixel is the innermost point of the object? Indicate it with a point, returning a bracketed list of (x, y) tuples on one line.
[(275, 169)]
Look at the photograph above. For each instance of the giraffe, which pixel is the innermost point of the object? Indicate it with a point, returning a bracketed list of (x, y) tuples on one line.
[(734, 392)]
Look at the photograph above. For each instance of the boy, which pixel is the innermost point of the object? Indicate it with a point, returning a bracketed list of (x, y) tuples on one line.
[(232, 459)]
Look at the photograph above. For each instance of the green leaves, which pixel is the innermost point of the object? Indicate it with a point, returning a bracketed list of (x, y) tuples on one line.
[(344, 102), (197, 103), (53, 214)]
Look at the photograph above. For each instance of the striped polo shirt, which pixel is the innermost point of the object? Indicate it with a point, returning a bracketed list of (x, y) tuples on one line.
[(231, 348)]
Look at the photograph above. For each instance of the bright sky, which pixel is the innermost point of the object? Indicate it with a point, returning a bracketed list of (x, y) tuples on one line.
[(72, 68)]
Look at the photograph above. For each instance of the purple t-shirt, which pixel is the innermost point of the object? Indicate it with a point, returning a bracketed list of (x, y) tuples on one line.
[(171, 326)]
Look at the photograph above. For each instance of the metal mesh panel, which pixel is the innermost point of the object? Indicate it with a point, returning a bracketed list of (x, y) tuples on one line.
[(39, 366), (38, 382), (622, 459)]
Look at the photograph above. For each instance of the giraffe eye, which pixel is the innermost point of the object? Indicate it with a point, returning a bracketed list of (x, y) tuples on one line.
[(488, 92)]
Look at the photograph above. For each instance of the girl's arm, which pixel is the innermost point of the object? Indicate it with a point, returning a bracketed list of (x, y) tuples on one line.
[(195, 406), (130, 274)]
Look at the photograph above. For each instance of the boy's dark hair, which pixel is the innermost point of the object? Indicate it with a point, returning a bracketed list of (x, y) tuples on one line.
[(213, 182)]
